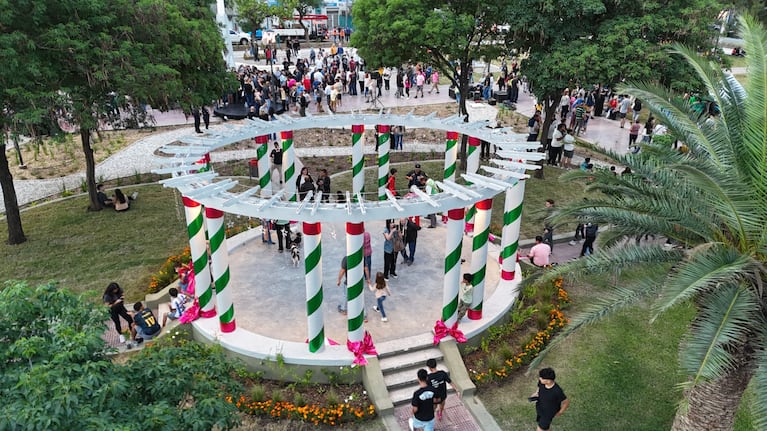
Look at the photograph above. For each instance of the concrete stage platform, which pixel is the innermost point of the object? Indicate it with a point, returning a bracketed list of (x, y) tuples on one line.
[(269, 296)]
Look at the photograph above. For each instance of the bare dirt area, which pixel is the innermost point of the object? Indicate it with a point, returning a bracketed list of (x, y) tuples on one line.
[(61, 156)]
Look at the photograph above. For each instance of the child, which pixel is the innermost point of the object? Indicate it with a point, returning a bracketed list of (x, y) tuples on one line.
[(183, 276), (177, 307), (381, 290), (467, 295)]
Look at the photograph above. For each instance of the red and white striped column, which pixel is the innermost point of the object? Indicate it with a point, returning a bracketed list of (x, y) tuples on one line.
[(512, 212), (358, 160), (289, 164), (452, 280), (264, 173), (313, 272), (198, 247), (355, 281), (479, 256), (219, 256)]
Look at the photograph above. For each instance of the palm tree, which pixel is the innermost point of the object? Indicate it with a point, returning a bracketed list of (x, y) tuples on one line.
[(710, 201)]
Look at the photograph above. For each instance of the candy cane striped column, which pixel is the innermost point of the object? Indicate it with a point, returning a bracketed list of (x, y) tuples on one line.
[(472, 166), (264, 173), (383, 159), (354, 281), (313, 271), (219, 257), (358, 160), (195, 226), (451, 155), (512, 210), (205, 162), (453, 244), (479, 256), (289, 164)]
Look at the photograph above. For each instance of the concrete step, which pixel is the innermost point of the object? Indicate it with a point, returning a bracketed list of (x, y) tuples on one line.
[(406, 376), (407, 359)]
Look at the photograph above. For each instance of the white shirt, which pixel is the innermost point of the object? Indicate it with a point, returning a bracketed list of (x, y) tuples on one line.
[(569, 141), (557, 141)]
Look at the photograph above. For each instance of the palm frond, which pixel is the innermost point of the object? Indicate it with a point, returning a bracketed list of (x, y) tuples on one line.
[(619, 298), (758, 404), (704, 269), (726, 320)]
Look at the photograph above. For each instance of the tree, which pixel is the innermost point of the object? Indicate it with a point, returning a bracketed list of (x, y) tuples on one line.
[(55, 374), (449, 34), (102, 55), (605, 42), (708, 200), (301, 7), (254, 12)]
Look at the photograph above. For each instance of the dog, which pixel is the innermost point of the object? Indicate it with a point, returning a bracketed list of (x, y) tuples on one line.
[(295, 254)]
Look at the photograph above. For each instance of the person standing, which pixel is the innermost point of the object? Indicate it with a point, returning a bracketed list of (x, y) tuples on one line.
[(196, 116), (342, 307), (534, 126), (411, 237), (282, 228), (557, 142), (438, 379), (390, 182), (550, 400), (381, 290), (422, 404), (114, 298), (467, 295), (634, 133), (206, 117), (276, 158), (390, 258), (304, 183), (367, 255), (568, 148), (434, 81), (623, 108), (589, 235), (323, 185)]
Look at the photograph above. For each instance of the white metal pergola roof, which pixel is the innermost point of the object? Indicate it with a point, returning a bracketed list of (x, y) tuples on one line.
[(210, 190)]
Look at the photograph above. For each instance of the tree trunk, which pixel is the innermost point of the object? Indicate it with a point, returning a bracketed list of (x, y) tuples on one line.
[(463, 90), (712, 405), (90, 169), (12, 215)]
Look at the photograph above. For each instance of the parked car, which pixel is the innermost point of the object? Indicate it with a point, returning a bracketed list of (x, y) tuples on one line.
[(239, 38)]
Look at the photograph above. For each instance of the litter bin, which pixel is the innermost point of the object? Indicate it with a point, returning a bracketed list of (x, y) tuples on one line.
[(253, 168)]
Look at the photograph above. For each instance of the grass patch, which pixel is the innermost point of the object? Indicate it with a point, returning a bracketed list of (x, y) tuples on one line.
[(84, 251), (620, 364)]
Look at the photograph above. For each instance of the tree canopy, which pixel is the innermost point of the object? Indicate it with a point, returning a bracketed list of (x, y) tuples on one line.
[(55, 374), (709, 201)]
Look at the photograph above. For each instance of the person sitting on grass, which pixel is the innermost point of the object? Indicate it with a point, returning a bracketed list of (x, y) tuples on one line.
[(145, 325), (103, 199), (122, 202), (177, 305)]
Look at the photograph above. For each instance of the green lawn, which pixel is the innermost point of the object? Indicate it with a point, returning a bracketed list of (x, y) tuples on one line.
[(85, 251), (620, 374)]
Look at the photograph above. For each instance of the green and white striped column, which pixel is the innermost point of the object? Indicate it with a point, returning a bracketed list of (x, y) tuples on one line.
[(383, 159), (452, 280), (479, 256), (219, 257), (358, 160), (451, 161), (472, 166), (512, 212), (198, 247), (355, 281), (264, 173), (451, 155), (313, 270), (289, 164)]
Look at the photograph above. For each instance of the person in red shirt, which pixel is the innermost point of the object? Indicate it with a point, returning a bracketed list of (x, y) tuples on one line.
[(390, 182)]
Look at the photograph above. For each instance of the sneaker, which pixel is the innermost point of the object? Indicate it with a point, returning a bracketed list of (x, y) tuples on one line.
[(394, 275), (386, 278), (410, 424), (134, 196), (383, 319), (122, 338), (139, 340), (375, 308), (572, 242)]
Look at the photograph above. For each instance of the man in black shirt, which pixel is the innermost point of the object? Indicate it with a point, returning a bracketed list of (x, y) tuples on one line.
[(422, 404), (550, 399), (438, 379), (102, 197), (145, 325)]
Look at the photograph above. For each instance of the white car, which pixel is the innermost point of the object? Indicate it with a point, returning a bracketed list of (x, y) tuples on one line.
[(239, 38)]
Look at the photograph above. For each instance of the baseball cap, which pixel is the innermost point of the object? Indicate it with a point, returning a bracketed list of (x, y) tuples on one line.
[(417, 165)]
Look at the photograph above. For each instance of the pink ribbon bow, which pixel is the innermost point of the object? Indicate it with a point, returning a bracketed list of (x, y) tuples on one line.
[(191, 314), (361, 348), (441, 331)]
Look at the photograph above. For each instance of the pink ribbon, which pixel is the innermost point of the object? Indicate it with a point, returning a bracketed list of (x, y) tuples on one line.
[(361, 348), (191, 314), (441, 331)]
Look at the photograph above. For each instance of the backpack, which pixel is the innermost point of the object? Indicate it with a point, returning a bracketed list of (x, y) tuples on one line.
[(397, 243)]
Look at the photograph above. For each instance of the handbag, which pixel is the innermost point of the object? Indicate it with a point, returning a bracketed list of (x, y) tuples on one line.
[(398, 244)]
